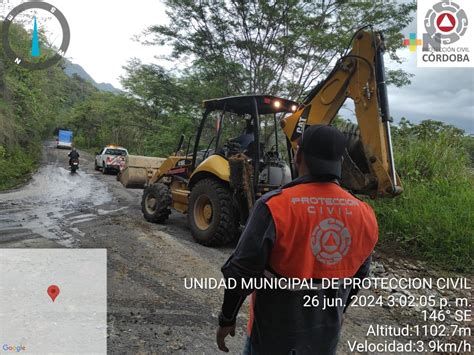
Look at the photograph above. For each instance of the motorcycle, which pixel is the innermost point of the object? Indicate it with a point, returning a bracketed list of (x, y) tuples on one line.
[(74, 165)]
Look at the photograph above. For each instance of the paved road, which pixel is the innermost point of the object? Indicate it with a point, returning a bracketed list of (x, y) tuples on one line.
[(149, 309)]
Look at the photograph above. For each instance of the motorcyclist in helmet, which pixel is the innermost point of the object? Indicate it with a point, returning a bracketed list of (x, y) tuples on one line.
[(73, 155)]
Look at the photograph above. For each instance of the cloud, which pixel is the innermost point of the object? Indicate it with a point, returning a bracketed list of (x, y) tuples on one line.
[(442, 94)]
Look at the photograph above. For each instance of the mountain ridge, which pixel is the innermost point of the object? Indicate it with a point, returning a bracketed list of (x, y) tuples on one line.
[(71, 69)]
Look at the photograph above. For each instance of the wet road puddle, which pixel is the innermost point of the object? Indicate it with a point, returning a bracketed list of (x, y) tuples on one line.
[(52, 205)]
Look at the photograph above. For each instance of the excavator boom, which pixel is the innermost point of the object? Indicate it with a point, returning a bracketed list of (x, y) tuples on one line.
[(368, 167)]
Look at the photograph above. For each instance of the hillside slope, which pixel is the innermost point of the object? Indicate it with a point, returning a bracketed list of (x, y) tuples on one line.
[(72, 69), (32, 103)]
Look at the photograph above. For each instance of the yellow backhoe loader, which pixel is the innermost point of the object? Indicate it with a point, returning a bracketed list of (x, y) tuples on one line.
[(218, 182)]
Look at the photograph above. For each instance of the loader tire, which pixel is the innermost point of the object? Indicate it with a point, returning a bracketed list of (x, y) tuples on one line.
[(156, 202), (212, 213)]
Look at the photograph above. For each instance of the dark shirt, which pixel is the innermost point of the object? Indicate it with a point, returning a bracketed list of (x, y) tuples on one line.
[(244, 140), (73, 155), (281, 323)]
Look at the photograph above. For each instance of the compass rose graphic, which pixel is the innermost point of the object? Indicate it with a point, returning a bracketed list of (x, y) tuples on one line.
[(40, 18)]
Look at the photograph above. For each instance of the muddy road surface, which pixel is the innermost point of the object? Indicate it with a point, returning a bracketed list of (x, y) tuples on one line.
[(149, 309)]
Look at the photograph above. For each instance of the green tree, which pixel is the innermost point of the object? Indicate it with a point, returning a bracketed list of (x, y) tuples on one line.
[(273, 47), (106, 118), (156, 90)]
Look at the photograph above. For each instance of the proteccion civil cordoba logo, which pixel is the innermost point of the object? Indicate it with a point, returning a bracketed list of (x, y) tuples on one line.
[(445, 23), (447, 40)]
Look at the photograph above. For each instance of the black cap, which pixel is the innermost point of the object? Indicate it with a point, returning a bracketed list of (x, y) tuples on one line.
[(323, 147)]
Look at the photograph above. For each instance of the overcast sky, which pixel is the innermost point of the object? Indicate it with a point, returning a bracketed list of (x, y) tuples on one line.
[(444, 94), (101, 42)]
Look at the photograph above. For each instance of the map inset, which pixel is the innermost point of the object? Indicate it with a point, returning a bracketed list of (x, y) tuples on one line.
[(74, 322)]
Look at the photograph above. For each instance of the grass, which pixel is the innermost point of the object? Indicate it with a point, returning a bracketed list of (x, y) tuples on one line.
[(433, 218), (16, 165), (432, 221)]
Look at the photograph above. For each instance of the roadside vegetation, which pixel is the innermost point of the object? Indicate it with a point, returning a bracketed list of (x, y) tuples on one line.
[(14, 167), (434, 217), (32, 105)]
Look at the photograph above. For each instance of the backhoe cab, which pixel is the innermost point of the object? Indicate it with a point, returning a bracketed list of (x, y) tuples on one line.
[(216, 184)]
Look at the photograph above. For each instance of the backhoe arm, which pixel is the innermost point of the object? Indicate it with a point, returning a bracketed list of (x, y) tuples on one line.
[(369, 167)]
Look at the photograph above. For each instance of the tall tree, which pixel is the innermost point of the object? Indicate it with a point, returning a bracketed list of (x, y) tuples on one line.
[(273, 47), (153, 86)]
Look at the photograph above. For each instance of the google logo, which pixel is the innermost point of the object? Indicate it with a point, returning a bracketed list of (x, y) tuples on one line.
[(14, 348)]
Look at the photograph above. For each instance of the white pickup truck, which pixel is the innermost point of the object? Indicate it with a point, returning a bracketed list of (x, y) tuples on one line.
[(110, 158)]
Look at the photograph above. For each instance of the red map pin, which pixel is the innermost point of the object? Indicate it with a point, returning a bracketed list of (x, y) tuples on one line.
[(53, 292)]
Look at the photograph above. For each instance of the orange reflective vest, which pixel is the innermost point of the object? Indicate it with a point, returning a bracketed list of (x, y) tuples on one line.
[(322, 231)]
